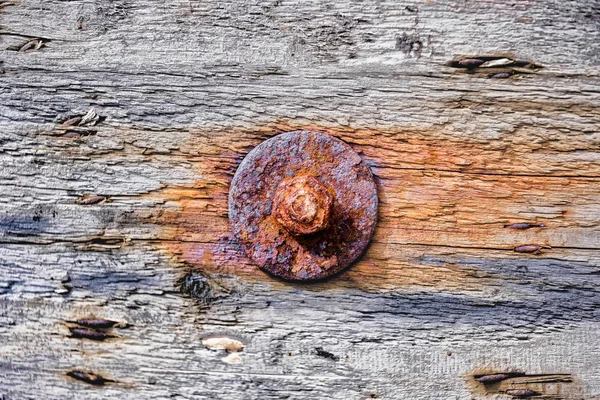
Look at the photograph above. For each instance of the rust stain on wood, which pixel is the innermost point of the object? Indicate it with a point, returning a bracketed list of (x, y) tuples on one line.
[(455, 193), (450, 193)]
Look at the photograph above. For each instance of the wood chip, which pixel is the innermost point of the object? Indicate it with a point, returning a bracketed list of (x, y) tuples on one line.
[(232, 358), (223, 343), (500, 62), (91, 118)]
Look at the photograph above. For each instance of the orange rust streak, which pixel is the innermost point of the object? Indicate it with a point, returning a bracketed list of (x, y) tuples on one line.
[(437, 209), (412, 148), (425, 198), (378, 270)]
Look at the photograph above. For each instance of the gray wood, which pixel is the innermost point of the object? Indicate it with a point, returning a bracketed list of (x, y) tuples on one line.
[(188, 87)]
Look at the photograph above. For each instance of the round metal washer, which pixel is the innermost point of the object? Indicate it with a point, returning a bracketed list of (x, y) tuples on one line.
[(353, 216)]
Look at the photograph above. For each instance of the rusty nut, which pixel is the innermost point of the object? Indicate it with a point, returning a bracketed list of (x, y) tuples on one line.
[(302, 205)]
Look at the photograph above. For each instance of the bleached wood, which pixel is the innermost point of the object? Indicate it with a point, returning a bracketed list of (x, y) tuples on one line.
[(188, 88)]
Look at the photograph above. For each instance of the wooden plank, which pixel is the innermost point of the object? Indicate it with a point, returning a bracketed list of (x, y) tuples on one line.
[(186, 88)]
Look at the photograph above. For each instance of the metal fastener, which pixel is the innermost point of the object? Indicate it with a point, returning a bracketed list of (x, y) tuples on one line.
[(303, 205)]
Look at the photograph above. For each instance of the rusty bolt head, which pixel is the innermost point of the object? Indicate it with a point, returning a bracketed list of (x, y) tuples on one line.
[(303, 205)]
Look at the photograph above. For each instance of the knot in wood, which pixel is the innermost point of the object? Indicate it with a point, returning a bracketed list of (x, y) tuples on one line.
[(302, 205)]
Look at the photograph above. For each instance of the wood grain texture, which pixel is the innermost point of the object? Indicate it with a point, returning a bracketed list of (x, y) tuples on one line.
[(186, 88)]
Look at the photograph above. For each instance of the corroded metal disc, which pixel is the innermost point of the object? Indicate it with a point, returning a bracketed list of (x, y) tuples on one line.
[(352, 218)]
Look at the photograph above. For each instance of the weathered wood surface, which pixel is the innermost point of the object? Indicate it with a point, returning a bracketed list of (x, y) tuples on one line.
[(187, 88)]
